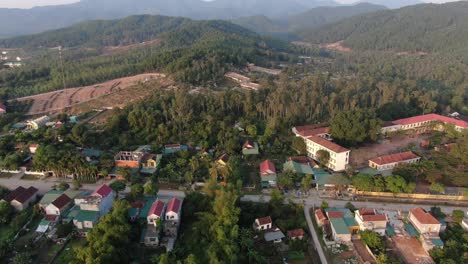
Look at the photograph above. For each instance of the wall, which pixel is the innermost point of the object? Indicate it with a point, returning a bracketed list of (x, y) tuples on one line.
[(414, 196)]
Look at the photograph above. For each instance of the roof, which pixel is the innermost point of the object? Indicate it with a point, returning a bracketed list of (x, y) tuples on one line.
[(91, 152), (327, 144), (334, 215), (13, 194), (85, 215), (274, 235), (103, 191), (248, 145), (2, 106), (366, 211), (437, 242), (50, 196), (346, 212), (296, 232), (307, 131), (300, 159), (297, 167), (147, 206), (250, 148), (174, 205), (424, 217), (431, 117), (339, 226), (26, 195), (61, 201), (350, 221), (224, 158), (267, 168), (33, 145), (264, 220), (374, 218), (320, 215), (393, 158), (157, 208)]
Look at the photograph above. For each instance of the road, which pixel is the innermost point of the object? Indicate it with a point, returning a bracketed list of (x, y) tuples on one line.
[(313, 234)]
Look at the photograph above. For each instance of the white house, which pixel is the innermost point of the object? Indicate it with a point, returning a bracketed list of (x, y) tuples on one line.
[(340, 231), (263, 223), (59, 205), (424, 222), (39, 122), (173, 210), (21, 198), (319, 139), (100, 200), (389, 162), (368, 219), (156, 212), (33, 148)]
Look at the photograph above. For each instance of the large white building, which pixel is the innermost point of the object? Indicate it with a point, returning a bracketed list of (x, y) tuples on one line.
[(369, 219), (424, 222), (423, 121), (319, 139)]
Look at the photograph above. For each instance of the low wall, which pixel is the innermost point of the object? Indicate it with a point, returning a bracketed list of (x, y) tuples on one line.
[(414, 196)]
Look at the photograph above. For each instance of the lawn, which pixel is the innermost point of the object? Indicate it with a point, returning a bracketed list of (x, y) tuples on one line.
[(67, 254)]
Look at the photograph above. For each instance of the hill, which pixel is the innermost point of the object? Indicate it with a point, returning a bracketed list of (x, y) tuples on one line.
[(420, 28), (394, 3), (14, 22), (315, 17)]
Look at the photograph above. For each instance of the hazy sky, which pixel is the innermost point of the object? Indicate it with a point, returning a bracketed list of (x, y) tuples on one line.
[(31, 3)]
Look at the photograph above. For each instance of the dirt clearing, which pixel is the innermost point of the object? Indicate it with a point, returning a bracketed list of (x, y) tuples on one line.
[(60, 100)]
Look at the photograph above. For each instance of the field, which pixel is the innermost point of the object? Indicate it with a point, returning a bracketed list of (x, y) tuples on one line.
[(62, 99)]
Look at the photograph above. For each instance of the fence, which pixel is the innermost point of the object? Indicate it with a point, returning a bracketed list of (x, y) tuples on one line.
[(414, 196)]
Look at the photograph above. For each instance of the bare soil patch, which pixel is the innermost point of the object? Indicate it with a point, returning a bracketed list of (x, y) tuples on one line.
[(335, 46), (62, 99), (362, 251), (411, 250), (118, 49)]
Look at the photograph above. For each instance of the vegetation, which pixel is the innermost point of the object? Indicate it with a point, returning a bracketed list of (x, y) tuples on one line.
[(394, 184), (372, 239), (458, 215), (354, 127), (454, 251)]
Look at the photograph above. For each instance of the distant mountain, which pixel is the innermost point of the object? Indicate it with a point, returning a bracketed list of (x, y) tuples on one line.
[(315, 17), (427, 27), (394, 3), (14, 22)]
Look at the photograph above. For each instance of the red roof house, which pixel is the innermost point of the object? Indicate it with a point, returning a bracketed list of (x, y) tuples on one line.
[(13, 194), (424, 119), (173, 209), (23, 197), (156, 212), (320, 217), (263, 223), (102, 191), (2, 109), (390, 161), (267, 168), (296, 234), (58, 206)]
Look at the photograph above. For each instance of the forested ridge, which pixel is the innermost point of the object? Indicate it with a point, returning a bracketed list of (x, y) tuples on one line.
[(427, 28)]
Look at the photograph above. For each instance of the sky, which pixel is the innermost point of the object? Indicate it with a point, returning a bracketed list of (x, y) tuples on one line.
[(31, 3)]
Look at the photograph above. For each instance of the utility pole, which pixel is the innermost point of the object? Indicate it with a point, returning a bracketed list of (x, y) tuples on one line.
[(62, 68)]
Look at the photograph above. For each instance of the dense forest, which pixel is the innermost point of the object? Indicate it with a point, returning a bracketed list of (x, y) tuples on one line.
[(426, 28)]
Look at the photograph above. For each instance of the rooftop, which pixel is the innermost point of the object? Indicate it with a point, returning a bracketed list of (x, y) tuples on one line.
[(174, 205), (102, 191), (85, 215), (267, 168), (296, 232), (62, 201), (393, 158), (431, 117), (264, 220), (424, 217), (26, 195), (273, 235), (327, 144), (340, 226), (334, 214), (157, 208), (298, 167)]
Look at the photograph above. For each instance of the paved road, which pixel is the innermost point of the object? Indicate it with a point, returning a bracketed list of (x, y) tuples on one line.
[(315, 238)]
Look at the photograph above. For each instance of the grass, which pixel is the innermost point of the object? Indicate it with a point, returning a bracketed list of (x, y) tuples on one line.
[(67, 254), (29, 177), (6, 175)]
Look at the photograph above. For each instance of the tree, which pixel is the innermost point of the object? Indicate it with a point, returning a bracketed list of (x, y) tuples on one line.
[(363, 182), (437, 187), (76, 184), (5, 212), (276, 198), (350, 206), (136, 190), (109, 240), (63, 186), (22, 258), (437, 212), (323, 157), (299, 145), (306, 183), (354, 127), (163, 259), (251, 130), (285, 180), (395, 184), (118, 186), (150, 188), (458, 215), (324, 205), (64, 230), (372, 239)]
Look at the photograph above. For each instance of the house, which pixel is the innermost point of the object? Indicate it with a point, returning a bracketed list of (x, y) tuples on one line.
[(296, 234), (268, 174), (369, 219), (150, 163), (325, 181), (244, 81), (21, 198), (223, 160), (250, 148), (131, 159), (33, 148), (428, 121), (52, 195), (86, 220), (59, 205), (263, 223), (273, 235), (318, 138), (298, 168), (3, 109), (389, 162), (389, 127), (38, 122), (91, 155), (156, 212), (151, 236), (340, 232), (346, 215), (320, 217), (424, 222), (173, 210)]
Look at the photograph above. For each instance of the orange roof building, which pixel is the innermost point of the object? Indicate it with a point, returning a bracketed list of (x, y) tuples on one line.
[(389, 162)]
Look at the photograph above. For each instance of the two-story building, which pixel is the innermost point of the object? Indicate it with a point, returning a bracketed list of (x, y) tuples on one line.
[(268, 174), (424, 222), (58, 206), (369, 219), (263, 223)]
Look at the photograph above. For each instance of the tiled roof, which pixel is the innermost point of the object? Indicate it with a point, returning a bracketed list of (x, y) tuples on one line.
[(431, 117), (335, 214), (296, 233), (248, 145), (62, 201), (103, 191), (2, 106), (327, 144), (365, 211), (300, 159), (307, 131), (264, 220), (173, 146), (340, 226), (267, 168), (26, 195), (157, 208), (424, 217), (371, 218), (174, 205), (224, 158), (393, 158), (13, 194), (320, 215)]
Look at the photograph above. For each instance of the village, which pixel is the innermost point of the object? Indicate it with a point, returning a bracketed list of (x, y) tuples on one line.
[(337, 219)]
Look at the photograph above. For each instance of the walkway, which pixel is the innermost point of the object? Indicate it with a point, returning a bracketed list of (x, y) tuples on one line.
[(313, 234)]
